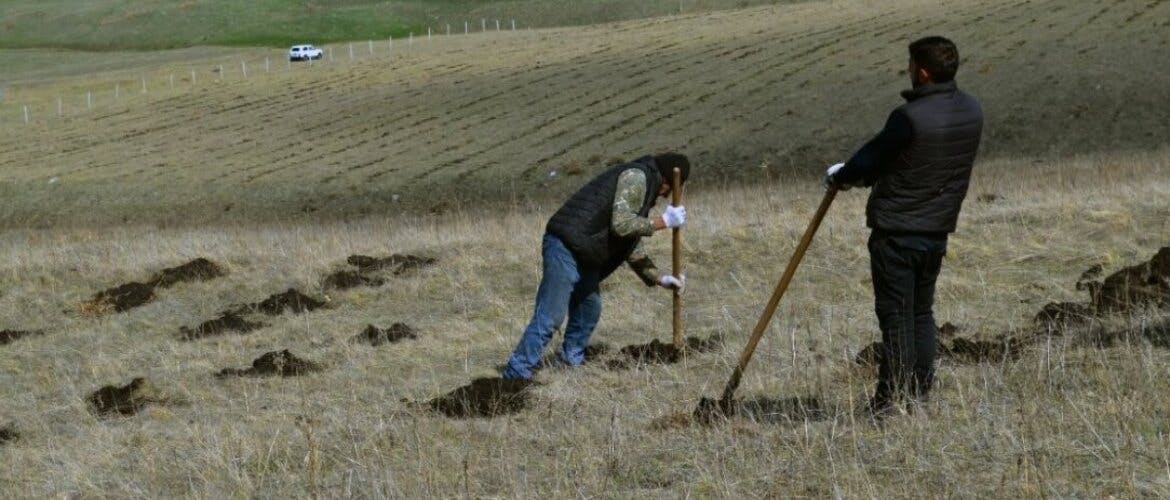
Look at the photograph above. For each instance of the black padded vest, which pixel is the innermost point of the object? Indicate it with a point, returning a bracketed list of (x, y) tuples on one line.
[(584, 222), (923, 189)]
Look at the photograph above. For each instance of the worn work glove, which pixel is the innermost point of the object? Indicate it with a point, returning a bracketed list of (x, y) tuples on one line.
[(668, 281), (831, 182), (674, 216)]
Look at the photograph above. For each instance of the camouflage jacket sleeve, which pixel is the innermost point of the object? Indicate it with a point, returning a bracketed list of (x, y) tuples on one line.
[(631, 191)]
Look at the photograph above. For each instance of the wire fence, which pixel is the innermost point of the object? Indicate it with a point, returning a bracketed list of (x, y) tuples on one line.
[(36, 105)]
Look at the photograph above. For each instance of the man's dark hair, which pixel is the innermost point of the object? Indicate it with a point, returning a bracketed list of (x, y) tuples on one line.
[(937, 55), (667, 162)]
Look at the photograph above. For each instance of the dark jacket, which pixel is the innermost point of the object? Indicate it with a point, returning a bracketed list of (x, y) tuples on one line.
[(584, 222), (920, 164)]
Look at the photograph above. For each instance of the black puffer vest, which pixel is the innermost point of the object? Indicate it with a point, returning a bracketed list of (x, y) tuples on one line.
[(923, 189), (584, 222)]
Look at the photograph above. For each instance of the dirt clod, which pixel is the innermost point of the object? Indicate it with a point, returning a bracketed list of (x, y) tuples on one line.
[(275, 363), (199, 269), (711, 411), (399, 263), (292, 299), (228, 322), (120, 298), (345, 279), (126, 400), (657, 352), (1055, 316), (376, 336), (1147, 283), (9, 336), (979, 351), (484, 397), (8, 434)]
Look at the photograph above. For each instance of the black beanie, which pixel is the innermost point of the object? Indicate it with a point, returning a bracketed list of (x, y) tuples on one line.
[(667, 162)]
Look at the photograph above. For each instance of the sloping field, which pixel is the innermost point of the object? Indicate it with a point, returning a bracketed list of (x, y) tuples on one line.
[(788, 87)]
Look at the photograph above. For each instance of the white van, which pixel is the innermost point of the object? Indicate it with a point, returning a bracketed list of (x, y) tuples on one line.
[(304, 53)]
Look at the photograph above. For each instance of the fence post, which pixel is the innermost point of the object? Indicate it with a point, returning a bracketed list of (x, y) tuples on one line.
[(370, 46), (117, 90), (465, 28), (89, 100), (244, 68), (221, 72), (390, 44), (448, 29), (266, 64), (513, 25), (192, 77), (26, 114), (482, 24), (497, 25), (144, 85), (428, 33)]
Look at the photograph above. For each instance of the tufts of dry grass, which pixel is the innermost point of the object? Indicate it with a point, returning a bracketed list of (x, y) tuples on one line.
[(1065, 420)]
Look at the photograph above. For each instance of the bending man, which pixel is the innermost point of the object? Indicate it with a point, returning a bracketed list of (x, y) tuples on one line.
[(591, 235)]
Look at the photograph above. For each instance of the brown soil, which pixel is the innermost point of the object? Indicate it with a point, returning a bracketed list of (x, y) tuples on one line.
[(126, 400), (657, 352), (593, 352), (133, 294), (199, 269), (275, 363), (1054, 317), (9, 336), (292, 299), (228, 322), (484, 397), (1147, 283), (399, 263), (344, 280), (376, 336), (120, 298), (8, 434), (762, 410), (980, 351)]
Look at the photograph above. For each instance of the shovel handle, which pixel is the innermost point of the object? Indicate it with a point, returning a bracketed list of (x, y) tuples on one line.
[(777, 294), (676, 257)]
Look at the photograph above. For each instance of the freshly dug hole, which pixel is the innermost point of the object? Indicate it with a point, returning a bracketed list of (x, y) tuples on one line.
[(292, 300), (657, 352), (1147, 283), (400, 263), (8, 336), (344, 280), (376, 336), (125, 400), (118, 299), (275, 363), (484, 397), (199, 269), (8, 434), (228, 322)]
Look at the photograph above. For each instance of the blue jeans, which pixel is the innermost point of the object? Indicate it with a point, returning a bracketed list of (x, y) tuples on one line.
[(565, 290)]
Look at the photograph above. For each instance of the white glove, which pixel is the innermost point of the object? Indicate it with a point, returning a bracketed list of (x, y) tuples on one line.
[(668, 281), (674, 216), (830, 182)]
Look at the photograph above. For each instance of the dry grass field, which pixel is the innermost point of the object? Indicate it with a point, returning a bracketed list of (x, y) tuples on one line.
[(408, 149)]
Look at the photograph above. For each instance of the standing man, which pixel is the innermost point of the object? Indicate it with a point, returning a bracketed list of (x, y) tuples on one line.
[(590, 236), (919, 166)]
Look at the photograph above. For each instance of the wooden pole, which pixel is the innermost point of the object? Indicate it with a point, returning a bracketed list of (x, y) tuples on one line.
[(676, 258), (777, 294)]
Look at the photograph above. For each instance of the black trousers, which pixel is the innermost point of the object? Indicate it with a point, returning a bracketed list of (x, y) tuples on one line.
[(905, 268)]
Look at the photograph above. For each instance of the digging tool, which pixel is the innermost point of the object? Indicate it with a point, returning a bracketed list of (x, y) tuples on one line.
[(709, 408), (676, 258)]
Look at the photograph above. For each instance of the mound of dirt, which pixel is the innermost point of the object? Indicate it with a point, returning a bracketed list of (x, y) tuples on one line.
[(657, 352), (1147, 283), (8, 336), (199, 269), (292, 299), (275, 363), (344, 280), (120, 298), (126, 400), (1054, 317), (484, 397), (376, 336), (399, 263), (8, 434), (980, 351), (133, 294), (228, 322)]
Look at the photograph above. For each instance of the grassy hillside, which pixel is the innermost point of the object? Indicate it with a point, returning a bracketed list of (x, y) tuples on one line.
[(750, 94), (163, 24)]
